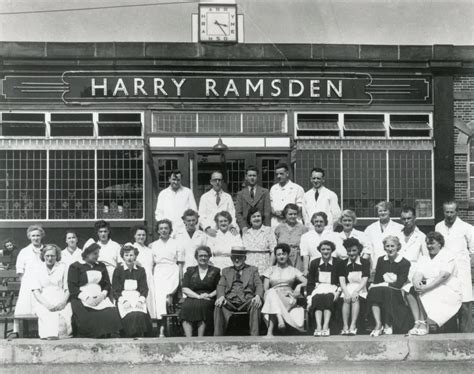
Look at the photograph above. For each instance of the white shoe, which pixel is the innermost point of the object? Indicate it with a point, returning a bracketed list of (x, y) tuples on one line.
[(388, 330)]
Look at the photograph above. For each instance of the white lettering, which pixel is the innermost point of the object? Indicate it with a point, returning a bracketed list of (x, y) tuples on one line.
[(276, 88), (231, 87), (313, 87), (211, 86), (138, 84), (120, 86), (102, 86), (332, 87), (292, 83), (250, 86), (178, 85), (158, 86)]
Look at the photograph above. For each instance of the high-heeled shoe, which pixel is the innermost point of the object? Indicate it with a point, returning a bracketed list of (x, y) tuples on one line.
[(352, 332), (325, 332), (377, 332)]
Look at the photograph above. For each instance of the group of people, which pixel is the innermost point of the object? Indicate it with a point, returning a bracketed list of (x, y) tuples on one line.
[(275, 253)]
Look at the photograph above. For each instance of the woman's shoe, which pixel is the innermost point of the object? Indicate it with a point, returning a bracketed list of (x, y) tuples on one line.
[(414, 330), (423, 329), (345, 332), (317, 333), (352, 332), (388, 330), (325, 333), (377, 332)]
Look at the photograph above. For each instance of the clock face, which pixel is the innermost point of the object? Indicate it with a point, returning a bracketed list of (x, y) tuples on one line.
[(218, 23)]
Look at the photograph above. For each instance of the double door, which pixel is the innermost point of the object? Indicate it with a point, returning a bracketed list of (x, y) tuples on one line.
[(196, 168)]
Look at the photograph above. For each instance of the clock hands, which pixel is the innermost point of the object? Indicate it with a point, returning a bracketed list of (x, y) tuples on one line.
[(220, 26)]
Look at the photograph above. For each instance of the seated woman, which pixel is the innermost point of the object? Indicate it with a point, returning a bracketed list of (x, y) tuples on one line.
[(199, 285), (224, 240), (51, 295), (315, 235), (167, 253), (353, 275), (290, 232), (323, 287), (280, 298), (93, 313), (259, 240), (436, 293), (385, 295), (130, 290)]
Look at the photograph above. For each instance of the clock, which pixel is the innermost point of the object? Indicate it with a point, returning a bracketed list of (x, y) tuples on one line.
[(218, 23)]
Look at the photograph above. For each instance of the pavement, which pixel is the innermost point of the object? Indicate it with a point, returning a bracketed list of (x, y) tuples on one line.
[(294, 352)]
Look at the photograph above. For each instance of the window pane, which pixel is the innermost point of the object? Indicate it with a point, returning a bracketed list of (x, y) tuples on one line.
[(71, 124), (164, 168), (120, 184), (235, 176), (120, 124), (329, 160), (71, 184), (365, 180), (184, 122), (219, 123), (411, 178), (263, 123), (22, 184), (23, 124)]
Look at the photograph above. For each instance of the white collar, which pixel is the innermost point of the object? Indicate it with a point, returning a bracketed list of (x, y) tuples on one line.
[(357, 261), (397, 259), (329, 262), (125, 267)]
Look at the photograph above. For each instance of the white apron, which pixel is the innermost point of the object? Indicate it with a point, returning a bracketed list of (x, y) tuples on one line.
[(92, 290), (131, 295), (354, 279), (145, 260), (57, 324)]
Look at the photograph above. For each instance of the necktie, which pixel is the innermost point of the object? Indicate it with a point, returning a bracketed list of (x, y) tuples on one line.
[(316, 195), (218, 198), (252, 192)]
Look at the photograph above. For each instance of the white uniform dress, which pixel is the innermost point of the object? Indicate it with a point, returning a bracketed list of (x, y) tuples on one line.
[(460, 241), (166, 271), (145, 260), (361, 237), (221, 247), (412, 250), (109, 254), (189, 245), (442, 302), (53, 286), (68, 258), (310, 240), (27, 260), (376, 236)]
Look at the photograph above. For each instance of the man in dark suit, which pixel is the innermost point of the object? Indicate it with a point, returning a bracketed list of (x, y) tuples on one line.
[(252, 196), (240, 289)]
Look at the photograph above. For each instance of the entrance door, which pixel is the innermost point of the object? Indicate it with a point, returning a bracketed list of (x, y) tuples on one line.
[(266, 165)]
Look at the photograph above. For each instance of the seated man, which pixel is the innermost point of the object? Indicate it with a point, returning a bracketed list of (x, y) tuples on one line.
[(240, 289)]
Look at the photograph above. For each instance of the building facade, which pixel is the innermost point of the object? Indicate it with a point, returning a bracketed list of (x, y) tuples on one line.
[(91, 130)]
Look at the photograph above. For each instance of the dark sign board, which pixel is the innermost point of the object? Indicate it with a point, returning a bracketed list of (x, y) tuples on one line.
[(91, 87)]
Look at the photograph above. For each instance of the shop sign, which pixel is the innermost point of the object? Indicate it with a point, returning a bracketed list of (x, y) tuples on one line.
[(91, 87)]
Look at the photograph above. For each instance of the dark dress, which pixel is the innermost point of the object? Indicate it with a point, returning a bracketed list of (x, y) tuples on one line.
[(194, 310), (395, 312), (135, 323), (88, 322), (323, 300)]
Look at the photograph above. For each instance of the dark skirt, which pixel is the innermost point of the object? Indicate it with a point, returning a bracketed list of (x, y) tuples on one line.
[(394, 310), (324, 301), (91, 323), (195, 310), (136, 324)]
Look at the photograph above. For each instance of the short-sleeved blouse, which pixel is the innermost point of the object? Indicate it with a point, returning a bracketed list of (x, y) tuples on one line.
[(277, 275), (262, 239), (290, 235)]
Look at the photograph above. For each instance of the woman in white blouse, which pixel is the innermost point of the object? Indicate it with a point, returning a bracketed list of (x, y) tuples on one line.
[(224, 240), (51, 294)]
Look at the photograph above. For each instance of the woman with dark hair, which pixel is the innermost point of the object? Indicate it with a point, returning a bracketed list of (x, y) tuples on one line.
[(109, 250), (49, 287), (353, 273), (167, 252), (323, 287), (9, 248), (436, 294), (224, 240), (199, 285), (290, 232), (145, 260), (93, 313), (385, 294), (72, 252), (280, 292), (259, 241), (130, 290)]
